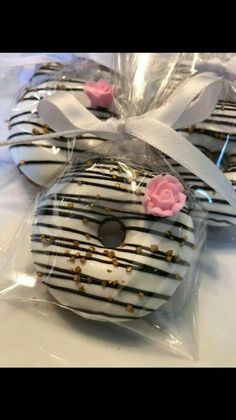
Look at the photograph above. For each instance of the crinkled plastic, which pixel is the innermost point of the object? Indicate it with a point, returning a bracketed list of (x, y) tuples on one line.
[(118, 237)]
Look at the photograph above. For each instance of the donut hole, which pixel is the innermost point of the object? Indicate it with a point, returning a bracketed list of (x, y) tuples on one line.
[(111, 233)]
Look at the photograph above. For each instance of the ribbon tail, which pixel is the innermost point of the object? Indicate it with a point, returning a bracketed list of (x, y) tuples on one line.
[(62, 111), (174, 145)]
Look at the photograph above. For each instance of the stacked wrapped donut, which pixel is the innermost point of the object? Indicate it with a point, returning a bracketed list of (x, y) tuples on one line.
[(87, 206), (42, 161)]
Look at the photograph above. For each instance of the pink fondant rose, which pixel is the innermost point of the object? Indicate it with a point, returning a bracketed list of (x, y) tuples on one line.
[(100, 93), (164, 196)]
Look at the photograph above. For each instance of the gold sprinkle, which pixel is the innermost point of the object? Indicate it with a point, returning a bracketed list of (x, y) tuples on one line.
[(178, 277), (138, 250), (77, 269), (77, 278), (104, 283), (89, 279), (22, 162), (91, 205), (177, 258), (89, 163), (115, 282), (114, 176), (169, 258), (169, 234), (130, 308), (87, 236), (109, 271), (46, 241), (114, 261), (88, 254), (72, 258), (191, 129), (169, 253), (81, 288), (154, 248), (67, 252), (105, 252), (91, 249), (138, 192), (70, 205), (98, 196), (77, 254), (79, 182), (111, 254), (129, 269), (117, 185), (107, 209), (35, 132), (46, 128), (85, 221), (42, 236), (61, 86), (39, 274), (83, 260), (76, 243), (109, 299), (141, 294)]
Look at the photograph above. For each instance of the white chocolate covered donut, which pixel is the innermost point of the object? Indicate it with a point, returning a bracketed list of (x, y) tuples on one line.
[(120, 282), (209, 136), (42, 161)]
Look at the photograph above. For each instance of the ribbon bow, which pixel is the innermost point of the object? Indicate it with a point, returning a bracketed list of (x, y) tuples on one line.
[(193, 101)]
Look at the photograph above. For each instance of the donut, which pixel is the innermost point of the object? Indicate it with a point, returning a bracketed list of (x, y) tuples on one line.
[(45, 72), (209, 137), (41, 162), (98, 252)]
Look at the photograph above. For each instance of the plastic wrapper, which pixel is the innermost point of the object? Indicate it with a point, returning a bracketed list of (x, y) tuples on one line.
[(214, 136), (43, 161), (104, 242)]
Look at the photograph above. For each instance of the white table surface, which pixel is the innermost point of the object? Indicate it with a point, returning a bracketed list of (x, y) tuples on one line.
[(60, 338)]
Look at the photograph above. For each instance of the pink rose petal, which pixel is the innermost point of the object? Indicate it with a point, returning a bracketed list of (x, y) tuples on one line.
[(99, 92), (163, 196)]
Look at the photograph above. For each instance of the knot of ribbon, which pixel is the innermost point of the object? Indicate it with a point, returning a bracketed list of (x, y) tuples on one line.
[(193, 101)]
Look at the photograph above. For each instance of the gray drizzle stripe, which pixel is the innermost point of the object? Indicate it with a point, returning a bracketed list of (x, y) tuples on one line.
[(140, 229), (134, 215), (95, 281), (110, 187), (21, 114), (103, 299), (137, 266), (86, 311), (62, 228), (159, 255)]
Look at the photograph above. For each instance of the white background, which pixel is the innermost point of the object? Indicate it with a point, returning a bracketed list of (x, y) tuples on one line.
[(60, 338)]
